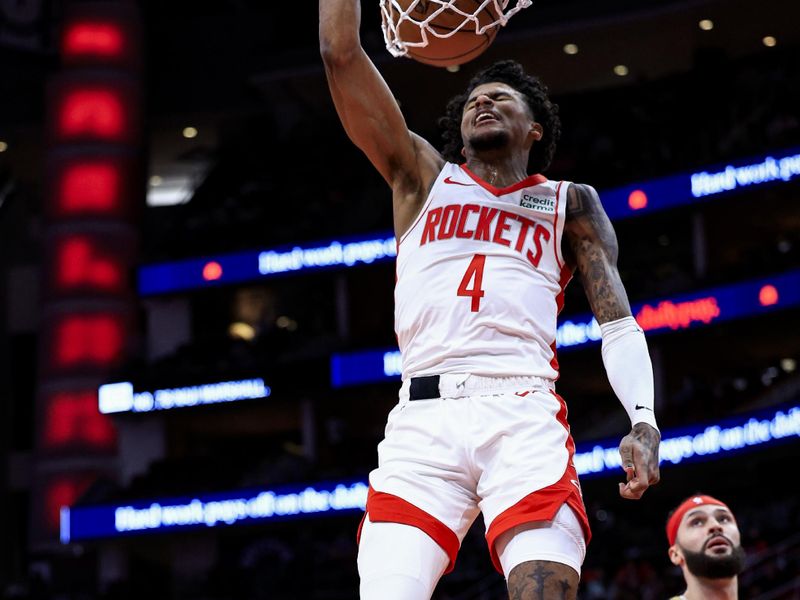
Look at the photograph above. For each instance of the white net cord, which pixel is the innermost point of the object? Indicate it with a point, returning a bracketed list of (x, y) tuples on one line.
[(394, 16)]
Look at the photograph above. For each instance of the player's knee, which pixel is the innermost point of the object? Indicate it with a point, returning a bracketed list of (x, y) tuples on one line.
[(543, 579), (398, 562)]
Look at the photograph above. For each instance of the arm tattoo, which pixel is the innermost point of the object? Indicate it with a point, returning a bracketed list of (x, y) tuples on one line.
[(592, 249), (650, 440)]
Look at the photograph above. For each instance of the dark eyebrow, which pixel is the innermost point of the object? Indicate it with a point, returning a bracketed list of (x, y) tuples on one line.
[(695, 513)]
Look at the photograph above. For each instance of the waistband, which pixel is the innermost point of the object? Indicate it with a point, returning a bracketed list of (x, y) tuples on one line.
[(457, 385)]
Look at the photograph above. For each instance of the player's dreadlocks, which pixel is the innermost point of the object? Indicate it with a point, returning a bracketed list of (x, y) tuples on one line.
[(544, 112)]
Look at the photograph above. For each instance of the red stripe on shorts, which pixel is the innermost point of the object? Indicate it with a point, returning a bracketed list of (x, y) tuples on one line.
[(542, 505), (388, 508)]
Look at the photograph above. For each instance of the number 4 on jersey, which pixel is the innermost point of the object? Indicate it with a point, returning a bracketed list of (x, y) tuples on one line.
[(474, 276)]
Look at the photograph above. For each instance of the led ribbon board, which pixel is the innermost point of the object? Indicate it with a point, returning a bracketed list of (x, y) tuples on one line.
[(689, 444), (247, 507), (240, 507), (122, 397), (689, 188), (248, 266), (734, 301), (627, 201)]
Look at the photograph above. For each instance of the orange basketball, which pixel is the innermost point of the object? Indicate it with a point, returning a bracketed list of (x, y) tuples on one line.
[(456, 49)]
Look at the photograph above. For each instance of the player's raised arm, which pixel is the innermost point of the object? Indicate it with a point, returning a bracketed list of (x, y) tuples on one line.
[(592, 249), (366, 106)]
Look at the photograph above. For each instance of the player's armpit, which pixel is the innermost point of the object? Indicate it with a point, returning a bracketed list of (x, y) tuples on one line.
[(592, 249)]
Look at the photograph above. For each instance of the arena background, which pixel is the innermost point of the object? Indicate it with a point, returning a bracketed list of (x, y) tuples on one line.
[(256, 248)]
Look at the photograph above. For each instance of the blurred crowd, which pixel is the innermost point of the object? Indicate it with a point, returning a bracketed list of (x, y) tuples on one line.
[(722, 109)]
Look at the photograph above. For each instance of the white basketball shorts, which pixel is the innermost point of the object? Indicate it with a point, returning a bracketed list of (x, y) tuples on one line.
[(496, 445)]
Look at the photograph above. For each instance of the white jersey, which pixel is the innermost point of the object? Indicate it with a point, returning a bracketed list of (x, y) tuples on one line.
[(481, 278)]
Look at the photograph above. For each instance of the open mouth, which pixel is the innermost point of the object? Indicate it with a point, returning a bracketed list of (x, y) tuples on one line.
[(486, 117), (718, 543)]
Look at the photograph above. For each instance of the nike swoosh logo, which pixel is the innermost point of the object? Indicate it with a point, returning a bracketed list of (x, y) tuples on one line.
[(640, 407), (451, 182)]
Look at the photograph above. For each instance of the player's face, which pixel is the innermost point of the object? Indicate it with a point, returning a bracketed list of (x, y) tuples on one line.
[(495, 116), (709, 542)]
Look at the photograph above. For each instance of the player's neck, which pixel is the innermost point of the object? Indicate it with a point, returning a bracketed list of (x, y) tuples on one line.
[(712, 589), (498, 173)]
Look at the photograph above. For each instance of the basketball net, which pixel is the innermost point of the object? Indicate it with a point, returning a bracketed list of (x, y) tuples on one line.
[(390, 9)]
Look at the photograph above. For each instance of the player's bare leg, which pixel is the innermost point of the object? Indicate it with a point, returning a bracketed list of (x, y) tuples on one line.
[(542, 580)]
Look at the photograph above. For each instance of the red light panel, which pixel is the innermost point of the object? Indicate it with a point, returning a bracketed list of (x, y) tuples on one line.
[(80, 263), (92, 112), (89, 187), (93, 39), (768, 295), (80, 339), (212, 271), (637, 200), (73, 418)]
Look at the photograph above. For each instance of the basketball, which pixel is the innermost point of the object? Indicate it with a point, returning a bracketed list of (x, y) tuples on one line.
[(451, 31)]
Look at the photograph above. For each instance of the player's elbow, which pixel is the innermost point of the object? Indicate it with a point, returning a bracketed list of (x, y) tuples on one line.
[(338, 49)]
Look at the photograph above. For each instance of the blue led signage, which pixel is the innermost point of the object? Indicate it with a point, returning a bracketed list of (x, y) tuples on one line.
[(627, 201), (732, 177), (693, 443), (122, 397), (247, 507), (657, 316), (239, 507), (248, 266), (361, 367)]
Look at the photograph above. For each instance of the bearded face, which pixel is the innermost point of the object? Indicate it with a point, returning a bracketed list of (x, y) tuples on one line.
[(709, 543), (715, 566)]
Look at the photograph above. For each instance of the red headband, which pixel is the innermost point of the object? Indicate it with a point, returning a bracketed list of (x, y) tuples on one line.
[(686, 506)]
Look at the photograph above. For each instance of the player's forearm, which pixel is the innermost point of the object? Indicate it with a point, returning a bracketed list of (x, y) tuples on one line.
[(339, 21), (629, 369)]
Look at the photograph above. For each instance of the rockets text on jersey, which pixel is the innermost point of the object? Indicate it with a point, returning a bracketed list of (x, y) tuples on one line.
[(480, 278)]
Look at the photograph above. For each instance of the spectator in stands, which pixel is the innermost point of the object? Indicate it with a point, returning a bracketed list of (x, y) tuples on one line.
[(704, 541)]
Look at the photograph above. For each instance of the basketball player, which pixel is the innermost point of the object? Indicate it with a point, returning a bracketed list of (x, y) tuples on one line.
[(704, 541), (481, 271)]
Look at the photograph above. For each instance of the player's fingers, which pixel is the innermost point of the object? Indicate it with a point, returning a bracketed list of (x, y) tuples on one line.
[(633, 490), (641, 465), (654, 474), (626, 492), (645, 466), (637, 478), (630, 472), (624, 488), (626, 453)]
